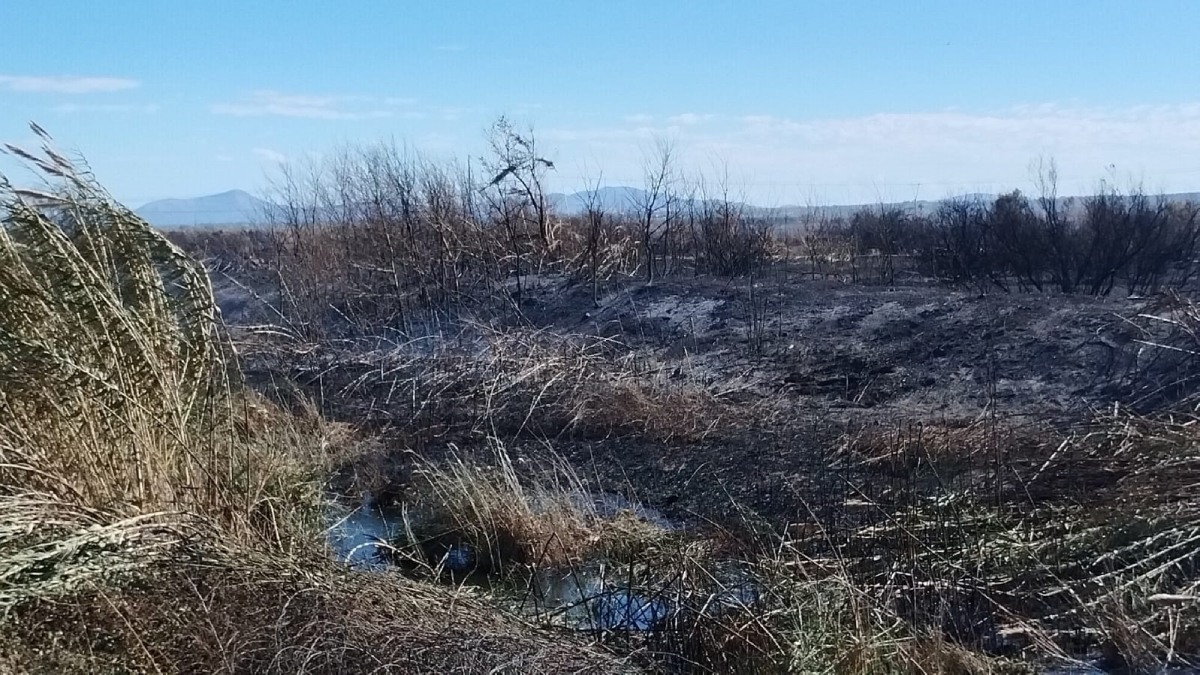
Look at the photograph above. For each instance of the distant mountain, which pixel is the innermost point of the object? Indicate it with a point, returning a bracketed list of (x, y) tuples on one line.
[(235, 207), (846, 210), (611, 199)]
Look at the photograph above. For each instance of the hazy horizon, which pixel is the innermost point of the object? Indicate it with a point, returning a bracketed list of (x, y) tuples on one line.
[(178, 102)]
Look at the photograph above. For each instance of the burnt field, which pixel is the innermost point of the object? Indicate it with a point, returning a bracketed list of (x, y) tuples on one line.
[(961, 440), (978, 457), (426, 424), (827, 358)]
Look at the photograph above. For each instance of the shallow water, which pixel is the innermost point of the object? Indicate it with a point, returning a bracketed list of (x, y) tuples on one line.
[(588, 598), (585, 598), (598, 597), (355, 537)]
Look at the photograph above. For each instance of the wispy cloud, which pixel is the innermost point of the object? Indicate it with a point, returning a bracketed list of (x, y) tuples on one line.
[(265, 103), (406, 108), (142, 108), (66, 84), (897, 154), (269, 155), (1023, 128), (452, 114), (600, 134), (690, 119)]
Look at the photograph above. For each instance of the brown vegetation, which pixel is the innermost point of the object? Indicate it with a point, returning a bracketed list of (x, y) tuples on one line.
[(163, 514), (157, 518)]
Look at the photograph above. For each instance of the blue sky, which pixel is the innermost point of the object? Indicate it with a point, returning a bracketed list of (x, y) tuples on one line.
[(806, 102)]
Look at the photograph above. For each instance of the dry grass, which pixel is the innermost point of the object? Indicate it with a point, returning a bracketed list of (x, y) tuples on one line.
[(215, 611), (902, 445), (54, 548), (1063, 536), (159, 518), (514, 514), (988, 525), (804, 618), (110, 357), (481, 382), (663, 413), (525, 515), (156, 517)]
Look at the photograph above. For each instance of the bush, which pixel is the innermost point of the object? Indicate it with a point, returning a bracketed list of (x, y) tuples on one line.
[(1109, 240)]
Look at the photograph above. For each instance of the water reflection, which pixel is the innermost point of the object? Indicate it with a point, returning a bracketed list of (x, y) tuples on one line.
[(585, 599), (357, 537), (593, 596)]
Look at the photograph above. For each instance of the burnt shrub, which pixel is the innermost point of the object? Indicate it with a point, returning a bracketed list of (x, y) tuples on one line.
[(1093, 245)]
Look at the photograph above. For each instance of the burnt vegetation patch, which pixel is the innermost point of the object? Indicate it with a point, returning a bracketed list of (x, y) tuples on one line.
[(670, 435)]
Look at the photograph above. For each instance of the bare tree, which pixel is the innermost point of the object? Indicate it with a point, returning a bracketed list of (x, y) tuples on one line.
[(1055, 225), (506, 211), (1019, 240), (655, 206), (594, 214), (518, 170), (729, 241), (376, 235)]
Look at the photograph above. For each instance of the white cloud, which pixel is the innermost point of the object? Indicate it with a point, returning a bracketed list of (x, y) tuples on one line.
[(269, 155), (639, 118), (1021, 127), (68, 108), (66, 84), (894, 155), (266, 103)]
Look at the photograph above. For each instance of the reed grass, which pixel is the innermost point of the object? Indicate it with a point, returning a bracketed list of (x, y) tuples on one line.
[(155, 515)]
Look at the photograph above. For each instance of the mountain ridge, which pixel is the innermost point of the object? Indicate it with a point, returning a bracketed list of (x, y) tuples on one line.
[(232, 207)]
